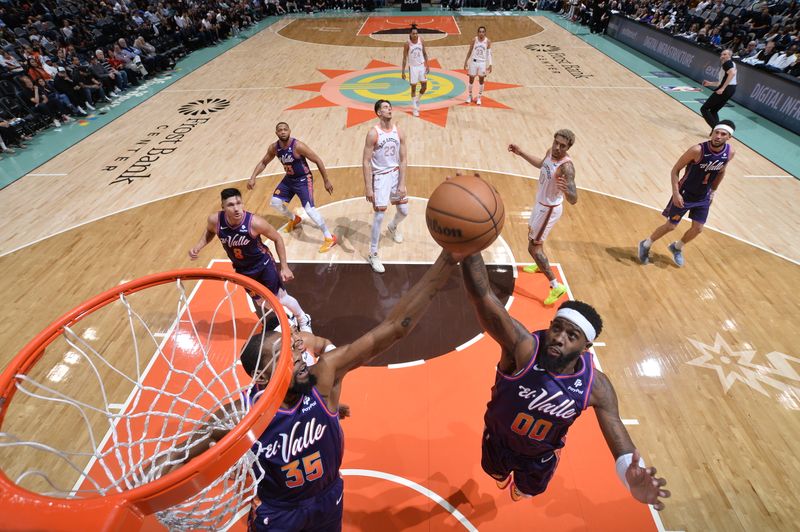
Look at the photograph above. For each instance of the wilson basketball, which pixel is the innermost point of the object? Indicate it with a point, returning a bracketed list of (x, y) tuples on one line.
[(465, 214)]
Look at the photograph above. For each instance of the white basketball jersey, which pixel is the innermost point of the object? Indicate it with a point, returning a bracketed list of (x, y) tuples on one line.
[(386, 154), (480, 50), (548, 193), (415, 56)]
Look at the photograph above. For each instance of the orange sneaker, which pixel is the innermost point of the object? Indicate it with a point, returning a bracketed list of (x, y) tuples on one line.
[(294, 223), (517, 495), (503, 484), (328, 244)]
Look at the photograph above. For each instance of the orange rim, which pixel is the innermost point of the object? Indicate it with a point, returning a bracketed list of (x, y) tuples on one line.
[(25, 509)]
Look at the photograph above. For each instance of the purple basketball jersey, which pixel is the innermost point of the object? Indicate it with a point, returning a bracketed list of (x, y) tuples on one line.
[(696, 182), (295, 165), (301, 451), (530, 412), (247, 253)]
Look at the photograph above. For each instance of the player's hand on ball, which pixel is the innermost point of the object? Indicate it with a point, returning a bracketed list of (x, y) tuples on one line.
[(286, 274), (645, 486)]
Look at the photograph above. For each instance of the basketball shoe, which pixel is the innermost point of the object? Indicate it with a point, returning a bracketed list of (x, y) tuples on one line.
[(555, 294), (478, 101), (531, 268), (644, 252), (375, 262), (304, 323), (328, 244), (503, 484), (292, 224), (517, 495), (677, 255), (469, 99), (397, 236)]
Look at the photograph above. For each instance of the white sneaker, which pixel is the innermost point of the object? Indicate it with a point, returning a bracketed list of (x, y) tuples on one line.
[(478, 101), (469, 99), (415, 112), (375, 262), (397, 236), (304, 323), (81, 110), (90, 106), (56, 123)]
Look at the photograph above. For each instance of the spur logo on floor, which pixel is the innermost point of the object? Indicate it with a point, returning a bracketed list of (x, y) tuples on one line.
[(137, 161), (556, 61)]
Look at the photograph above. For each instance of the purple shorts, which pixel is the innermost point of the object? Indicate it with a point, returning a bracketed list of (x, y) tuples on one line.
[(322, 513), (267, 274), (302, 187), (698, 211), (531, 473)]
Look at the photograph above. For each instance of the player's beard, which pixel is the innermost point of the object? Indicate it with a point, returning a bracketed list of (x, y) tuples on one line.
[(304, 388), (557, 364)]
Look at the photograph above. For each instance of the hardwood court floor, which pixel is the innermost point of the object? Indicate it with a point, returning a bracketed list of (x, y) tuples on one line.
[(702, 357)]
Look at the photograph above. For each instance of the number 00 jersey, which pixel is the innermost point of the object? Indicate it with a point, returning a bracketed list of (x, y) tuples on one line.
[(531, 411), (301, 451)]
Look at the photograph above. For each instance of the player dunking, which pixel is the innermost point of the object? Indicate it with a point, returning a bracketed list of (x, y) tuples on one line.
[(556, 180), (705, 166), (478, 62), (240, 233), (384, 167), (301, 449), (544, 381), (298, 181), (416, 56)]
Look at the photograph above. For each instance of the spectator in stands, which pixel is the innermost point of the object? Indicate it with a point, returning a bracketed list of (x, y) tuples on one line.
[(783, 61), (114, 80), (762, 57), (748, 51), (10, 63), (40, 103), (63, 84), (88, 83), (758, 24)]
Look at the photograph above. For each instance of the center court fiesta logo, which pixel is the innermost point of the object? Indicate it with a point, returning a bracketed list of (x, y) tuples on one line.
[(357, 91)]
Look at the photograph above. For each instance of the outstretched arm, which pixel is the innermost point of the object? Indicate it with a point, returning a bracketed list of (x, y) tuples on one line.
[(565, 181), (516, 341), (208, 236), (400, 322), (532, 159), (642, 481), (251, 183), (302, 149)]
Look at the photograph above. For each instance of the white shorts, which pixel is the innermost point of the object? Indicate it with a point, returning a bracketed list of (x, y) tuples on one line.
[(417, 74), (477, 68), (384, 187), (542, 220)]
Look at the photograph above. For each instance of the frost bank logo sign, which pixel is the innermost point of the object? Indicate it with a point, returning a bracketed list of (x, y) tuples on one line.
[(556, 61), (137, 161)]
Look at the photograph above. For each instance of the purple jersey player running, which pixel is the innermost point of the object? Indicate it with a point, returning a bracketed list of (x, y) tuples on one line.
[(240, 233), (544, 382), (298, 181), (301, 449), (705, 166)]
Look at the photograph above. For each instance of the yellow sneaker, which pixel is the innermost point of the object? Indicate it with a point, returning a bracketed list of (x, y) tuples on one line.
[(503, 484), (294, 223), (531, 268), (555, 293), (328, 244)]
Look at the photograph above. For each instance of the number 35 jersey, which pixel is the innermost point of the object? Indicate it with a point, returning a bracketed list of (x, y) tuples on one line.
[(301, 451), (531, 411)]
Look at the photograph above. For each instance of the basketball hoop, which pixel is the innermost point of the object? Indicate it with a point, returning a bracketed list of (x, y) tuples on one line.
[(154, 406)]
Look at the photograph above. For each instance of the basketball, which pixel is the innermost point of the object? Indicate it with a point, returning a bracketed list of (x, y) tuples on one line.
[(465, 214)]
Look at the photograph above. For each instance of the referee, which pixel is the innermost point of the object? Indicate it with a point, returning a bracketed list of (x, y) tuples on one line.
[(723, 90)]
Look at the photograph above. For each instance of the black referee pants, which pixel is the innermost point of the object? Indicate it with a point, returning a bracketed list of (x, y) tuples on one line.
[(714, 103)]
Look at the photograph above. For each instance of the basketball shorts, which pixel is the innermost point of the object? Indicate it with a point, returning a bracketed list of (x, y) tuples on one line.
[(291, 186), (698, 211), (322, 513), (477, 68), (268, 275), (532, 474), (417, 74), (542, 220), (384, 186)]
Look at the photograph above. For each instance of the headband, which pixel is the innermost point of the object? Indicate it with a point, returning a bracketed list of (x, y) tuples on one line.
[(572, 315), (724, 127)]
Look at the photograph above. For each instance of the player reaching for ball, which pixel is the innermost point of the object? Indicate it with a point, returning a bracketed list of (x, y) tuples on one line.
[(544, 381), (556, 180), (384, 166)]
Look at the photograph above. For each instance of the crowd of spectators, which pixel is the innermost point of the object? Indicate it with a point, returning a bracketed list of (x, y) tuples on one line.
[(760, 34), (61, 59)]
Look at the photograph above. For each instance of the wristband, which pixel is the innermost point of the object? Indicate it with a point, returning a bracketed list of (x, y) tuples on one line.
[(623, 463), (330, 347)]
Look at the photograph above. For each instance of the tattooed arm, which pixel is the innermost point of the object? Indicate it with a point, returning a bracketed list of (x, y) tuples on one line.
[(566, 182), (514, 339)]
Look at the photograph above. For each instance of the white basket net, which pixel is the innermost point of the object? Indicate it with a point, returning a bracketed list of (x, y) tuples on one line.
[(114, 400)]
